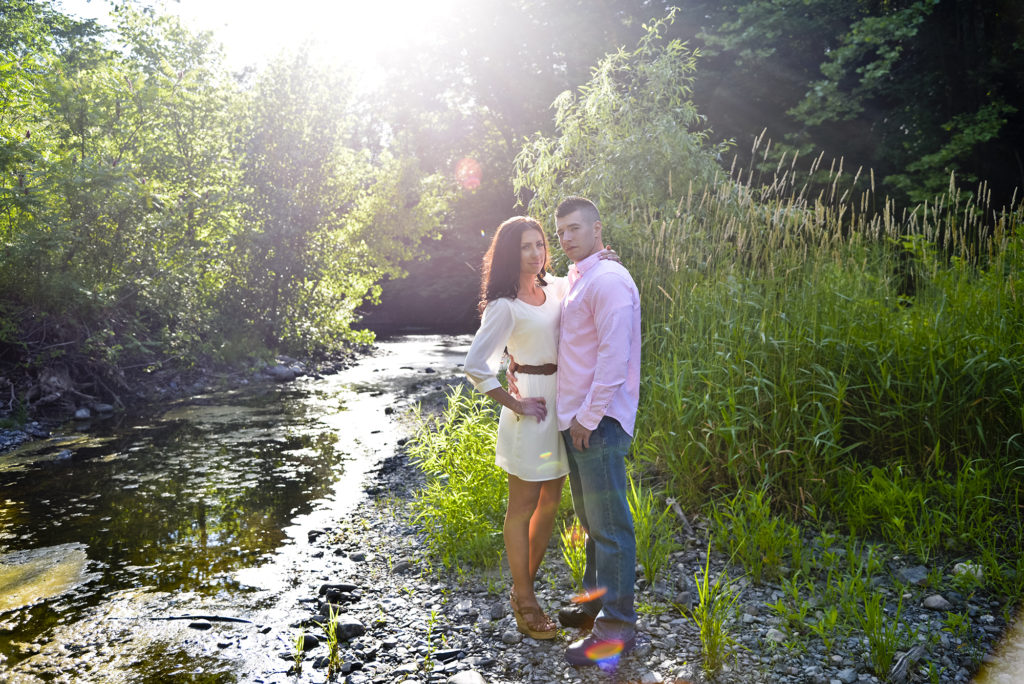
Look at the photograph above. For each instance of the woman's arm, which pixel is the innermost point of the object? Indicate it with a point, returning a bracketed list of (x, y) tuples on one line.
[(527, 406), (482, 360)]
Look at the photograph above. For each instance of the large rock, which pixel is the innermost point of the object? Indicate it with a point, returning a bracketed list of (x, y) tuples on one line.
[(447, 655), (916, 575), (346, 628), (280, 373), (900, 671), (511, 637), (338, 597), (328, 609), (467, 677), (848, 676), (403, 566), (343, 587), (937, 602), (972, 570)]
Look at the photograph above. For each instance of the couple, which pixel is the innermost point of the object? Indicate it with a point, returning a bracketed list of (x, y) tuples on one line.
[(575, 345)]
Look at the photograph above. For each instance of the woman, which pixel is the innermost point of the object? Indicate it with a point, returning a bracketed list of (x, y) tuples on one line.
[(520, 306)]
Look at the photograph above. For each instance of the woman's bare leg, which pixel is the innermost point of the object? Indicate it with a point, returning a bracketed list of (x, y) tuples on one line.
[(523, 497), (542, 522)]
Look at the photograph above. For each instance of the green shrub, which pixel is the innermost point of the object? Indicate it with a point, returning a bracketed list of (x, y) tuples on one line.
[(462, 506)]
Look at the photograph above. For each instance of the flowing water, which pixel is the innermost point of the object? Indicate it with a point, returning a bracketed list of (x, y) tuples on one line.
[(202, 508)]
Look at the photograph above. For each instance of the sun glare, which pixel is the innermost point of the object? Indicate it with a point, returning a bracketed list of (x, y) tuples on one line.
[(355, 33), (467, 173)]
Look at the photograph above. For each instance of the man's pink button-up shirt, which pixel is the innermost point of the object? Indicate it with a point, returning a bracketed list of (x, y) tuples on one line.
[(599, 346)]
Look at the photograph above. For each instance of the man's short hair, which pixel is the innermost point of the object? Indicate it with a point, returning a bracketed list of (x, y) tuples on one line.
[(575, 203)]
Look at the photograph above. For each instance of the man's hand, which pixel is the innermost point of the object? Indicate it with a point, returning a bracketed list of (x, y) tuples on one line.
[(510, 376), (533, 406), (580, 435)]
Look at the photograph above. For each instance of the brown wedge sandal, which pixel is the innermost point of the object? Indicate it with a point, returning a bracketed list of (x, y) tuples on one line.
[(532, 621)]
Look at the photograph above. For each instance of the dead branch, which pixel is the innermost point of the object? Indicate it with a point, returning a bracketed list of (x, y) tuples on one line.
[(682, 516)]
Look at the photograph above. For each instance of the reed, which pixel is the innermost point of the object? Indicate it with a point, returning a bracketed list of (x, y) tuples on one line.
[(885, 633), (334, 659), (804, 338), (299, 652), (746, 529)]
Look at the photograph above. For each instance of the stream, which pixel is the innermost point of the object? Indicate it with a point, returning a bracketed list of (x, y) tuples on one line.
[(205, 507)]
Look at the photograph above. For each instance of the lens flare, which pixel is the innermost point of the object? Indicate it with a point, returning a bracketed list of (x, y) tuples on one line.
[(549, 466), (605, 650), (467, 173), (546, 454), (591, 595)]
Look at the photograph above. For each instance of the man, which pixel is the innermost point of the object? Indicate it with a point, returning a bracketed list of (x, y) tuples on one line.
[(598, 392)]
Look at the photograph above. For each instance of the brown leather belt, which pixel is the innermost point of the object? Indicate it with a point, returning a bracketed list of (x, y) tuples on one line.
[(544, 369)]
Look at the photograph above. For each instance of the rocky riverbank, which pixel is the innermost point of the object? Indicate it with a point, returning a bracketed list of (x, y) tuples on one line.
[(406, 619), (67, 408)]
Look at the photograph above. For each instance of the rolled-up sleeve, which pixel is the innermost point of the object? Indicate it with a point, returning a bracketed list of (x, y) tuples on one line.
[(481, 365), (613, 307)]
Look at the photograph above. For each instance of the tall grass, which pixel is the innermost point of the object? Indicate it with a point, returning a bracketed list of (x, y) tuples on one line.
[(814, 345), (463, 503), (654, 528), (746, 530), (573, 542), (715, 606)]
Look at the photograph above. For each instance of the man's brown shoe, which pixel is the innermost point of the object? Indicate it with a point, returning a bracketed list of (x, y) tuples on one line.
[(576, 617)]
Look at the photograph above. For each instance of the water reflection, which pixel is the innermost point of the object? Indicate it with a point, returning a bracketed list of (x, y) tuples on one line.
[(174, 505)]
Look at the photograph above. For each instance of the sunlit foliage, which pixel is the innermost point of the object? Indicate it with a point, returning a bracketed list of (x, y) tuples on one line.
[(628, 137), (154, 207)]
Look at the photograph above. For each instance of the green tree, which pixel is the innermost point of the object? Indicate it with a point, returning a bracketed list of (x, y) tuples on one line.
[(139, 186), (325, 218), (915, 90), (32, 38), (631, 138)]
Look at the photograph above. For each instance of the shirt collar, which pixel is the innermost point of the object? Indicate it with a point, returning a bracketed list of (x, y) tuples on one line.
[(588, 263)]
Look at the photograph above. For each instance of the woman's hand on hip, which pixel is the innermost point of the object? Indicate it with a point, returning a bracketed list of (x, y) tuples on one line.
[(535, 407), (510, 377)]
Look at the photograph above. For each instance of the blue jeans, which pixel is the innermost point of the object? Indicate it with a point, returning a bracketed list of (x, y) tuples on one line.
[(597, 478)]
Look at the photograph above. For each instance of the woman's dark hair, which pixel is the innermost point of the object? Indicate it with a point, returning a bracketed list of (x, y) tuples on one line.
[(501, 265)]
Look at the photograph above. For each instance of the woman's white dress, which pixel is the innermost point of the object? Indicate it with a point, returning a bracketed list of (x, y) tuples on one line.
[(530, 450)]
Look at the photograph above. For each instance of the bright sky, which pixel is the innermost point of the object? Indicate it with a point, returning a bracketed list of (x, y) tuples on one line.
[(356, 32)]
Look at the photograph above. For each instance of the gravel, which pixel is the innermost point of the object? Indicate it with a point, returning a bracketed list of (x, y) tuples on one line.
[(427, 624)]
